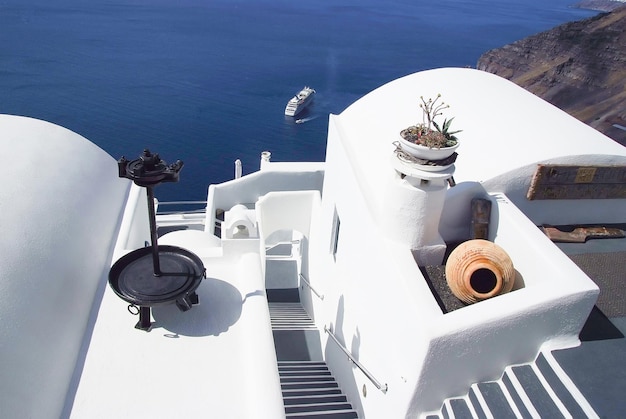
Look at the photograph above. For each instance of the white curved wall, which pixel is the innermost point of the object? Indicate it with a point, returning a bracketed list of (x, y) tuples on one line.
[(515, 185), (504, 128), (273, 177), (287, 210), (60, 203), (375, 293)]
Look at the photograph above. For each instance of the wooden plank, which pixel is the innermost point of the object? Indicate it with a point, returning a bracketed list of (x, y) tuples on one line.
[(555, 181)]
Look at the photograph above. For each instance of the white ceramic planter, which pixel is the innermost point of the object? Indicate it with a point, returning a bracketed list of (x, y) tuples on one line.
[(425, 153)]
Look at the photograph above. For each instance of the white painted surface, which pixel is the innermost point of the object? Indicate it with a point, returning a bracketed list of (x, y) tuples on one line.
[(240, 222), (218, 358), (413, 208), (62, 209), (271, 177), (61, 202), (287, 210), (506, 132), (375, 295), (215, 358), (549, 305), (134, 229)]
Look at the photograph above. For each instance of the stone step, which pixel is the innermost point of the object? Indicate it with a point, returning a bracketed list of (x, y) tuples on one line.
[(457, 408), (333, 414), (303, 364), (306, 378), (306, 392), (312, 399), (308, 387), (317, 407), (290, 316), (562, 392), (309, 384), (524, 391), (305, 373)]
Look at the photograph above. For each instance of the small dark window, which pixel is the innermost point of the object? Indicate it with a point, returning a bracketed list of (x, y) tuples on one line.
[(334, 239)]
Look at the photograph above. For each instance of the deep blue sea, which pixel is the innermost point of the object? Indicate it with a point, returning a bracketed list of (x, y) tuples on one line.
[(206, 81)]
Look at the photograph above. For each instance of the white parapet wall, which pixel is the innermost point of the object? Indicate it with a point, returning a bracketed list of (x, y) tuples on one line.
[(249, 188), (287, 210), (377, 300), (550, 303), (135, 225), (289, 213)]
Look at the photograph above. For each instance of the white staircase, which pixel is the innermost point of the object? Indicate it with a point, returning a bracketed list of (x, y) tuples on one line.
[(309, 389), (536, 390)]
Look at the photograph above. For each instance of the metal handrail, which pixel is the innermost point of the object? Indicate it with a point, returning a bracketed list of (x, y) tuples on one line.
[(182, 202), (308, 284), (198, 211), (381, 387)]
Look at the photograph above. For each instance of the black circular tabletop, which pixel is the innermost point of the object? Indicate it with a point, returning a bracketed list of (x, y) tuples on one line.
[(132, 277)]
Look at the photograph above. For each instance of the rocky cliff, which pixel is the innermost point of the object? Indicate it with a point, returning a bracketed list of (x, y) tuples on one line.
[(601, 5), (579, 67)]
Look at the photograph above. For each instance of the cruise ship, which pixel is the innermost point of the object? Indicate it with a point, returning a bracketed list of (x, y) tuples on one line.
[(300, 101), (319, 289)]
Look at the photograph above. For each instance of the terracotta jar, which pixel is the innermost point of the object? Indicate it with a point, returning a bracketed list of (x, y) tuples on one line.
[(479, 269)]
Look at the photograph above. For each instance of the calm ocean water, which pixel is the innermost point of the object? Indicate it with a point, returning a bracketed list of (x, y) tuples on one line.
[(206, 81)]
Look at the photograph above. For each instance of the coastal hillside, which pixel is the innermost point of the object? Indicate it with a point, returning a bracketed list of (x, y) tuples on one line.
[(578, 66), (600, 5)]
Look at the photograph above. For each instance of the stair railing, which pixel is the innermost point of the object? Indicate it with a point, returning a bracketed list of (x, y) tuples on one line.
[(308, 284), (202, 210), (381, 387)]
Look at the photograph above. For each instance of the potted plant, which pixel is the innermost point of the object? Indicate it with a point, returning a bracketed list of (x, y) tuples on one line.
[(430, 140)]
